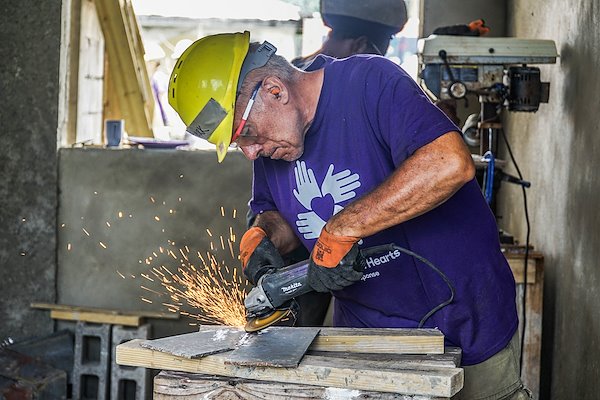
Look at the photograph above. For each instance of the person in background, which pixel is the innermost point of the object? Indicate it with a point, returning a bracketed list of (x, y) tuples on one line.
[(358, 27)]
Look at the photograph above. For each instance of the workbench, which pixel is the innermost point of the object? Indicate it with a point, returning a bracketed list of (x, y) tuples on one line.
[(399, 363), (534, 301)]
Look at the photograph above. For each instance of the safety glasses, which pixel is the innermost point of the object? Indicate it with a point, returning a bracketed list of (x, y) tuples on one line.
[(239, 136)]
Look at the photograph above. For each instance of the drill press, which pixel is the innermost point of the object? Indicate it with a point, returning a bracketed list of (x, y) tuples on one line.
[(497, 72)]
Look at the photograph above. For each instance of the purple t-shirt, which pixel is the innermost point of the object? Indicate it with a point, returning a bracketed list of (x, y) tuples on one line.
[(371, 116)]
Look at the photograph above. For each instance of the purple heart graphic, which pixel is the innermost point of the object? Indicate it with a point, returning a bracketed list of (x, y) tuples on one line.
[(323, 206)]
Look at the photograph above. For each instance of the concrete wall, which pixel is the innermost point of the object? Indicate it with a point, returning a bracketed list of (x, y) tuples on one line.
[(29, 86), (558, 149), (162, 195)]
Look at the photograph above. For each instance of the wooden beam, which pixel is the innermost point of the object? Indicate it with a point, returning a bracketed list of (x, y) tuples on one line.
[(450, 359), (96, 317), (170, 385), (373, 340), (100, 315), (129, 77), (313, 370), (517, 265), (380, 340)]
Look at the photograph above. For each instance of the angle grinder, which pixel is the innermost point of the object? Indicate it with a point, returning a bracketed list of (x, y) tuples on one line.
[(272, 299)]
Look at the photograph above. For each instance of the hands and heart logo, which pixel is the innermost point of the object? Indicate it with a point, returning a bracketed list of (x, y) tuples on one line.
[(321, 201)]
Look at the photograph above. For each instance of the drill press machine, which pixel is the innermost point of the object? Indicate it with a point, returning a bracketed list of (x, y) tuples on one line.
[(497, 72)]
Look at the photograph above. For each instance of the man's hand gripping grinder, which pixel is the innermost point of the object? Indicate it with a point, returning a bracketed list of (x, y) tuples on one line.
[(272, 299)]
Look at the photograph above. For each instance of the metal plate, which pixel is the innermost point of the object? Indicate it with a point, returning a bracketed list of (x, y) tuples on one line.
[(273, 347), (198, 344)]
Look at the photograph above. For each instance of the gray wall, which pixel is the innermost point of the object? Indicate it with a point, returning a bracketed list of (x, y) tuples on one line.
[(185, 190), (29, 54), (558, 149)]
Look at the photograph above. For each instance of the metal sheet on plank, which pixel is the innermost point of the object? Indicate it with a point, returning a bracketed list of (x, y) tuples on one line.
[(275, 346), (198, 344)]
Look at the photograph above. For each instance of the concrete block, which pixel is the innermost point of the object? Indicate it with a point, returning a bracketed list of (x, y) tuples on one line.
[(129, 383), (92, 361)]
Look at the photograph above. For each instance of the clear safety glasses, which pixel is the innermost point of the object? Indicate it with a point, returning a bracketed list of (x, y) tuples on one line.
[(240, 137)]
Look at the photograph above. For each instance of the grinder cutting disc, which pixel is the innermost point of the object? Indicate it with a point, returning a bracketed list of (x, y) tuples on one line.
[(261, 322)]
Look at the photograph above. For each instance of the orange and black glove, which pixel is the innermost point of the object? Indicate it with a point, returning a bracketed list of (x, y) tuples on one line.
[(258, 254), (335, 262)]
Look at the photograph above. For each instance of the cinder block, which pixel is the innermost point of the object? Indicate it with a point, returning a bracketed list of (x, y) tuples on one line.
[(129, 383), (92, 361)]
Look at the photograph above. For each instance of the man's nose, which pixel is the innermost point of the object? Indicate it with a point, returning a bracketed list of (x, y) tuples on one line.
[(251, 151)]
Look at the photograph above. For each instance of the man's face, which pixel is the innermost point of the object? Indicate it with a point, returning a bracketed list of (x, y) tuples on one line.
[(271, 130)]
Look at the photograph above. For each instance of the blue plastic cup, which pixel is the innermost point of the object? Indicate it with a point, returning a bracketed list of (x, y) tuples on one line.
[(114, 132)]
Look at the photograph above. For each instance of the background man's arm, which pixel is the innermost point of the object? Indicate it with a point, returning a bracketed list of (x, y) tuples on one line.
[(425, 180), (278, 231)]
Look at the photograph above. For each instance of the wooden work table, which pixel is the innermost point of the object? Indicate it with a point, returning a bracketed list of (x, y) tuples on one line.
[(533, 311), (401, 363)]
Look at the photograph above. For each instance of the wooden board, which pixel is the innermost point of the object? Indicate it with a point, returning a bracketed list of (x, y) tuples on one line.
[(450, 359), (312, 370), (374, 340), (273, 347), (197, 344), (380, 340), (100, 315), (143, 314), (97, 318), (532, 348), (517, 265), (128, 75), (170, 385)]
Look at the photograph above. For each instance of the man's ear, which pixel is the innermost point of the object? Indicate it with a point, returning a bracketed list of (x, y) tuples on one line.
[(276, 89)]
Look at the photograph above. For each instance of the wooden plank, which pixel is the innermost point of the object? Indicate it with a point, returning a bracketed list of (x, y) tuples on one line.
[(517, 265), (89, 125), (450, 359), (170, 385), (380, 340), (129, 77), (374, 340), (273, 347), (95, 317), (142, 314), (197, 344), (312, 370), (532, 348)]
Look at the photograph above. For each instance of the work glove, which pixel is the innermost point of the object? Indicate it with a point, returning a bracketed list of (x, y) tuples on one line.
[(335, 262), (258, 254)]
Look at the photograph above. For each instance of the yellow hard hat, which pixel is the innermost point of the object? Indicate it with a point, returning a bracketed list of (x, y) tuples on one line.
[(205, 82)]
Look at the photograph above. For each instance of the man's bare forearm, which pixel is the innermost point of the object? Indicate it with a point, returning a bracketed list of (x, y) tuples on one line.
[(425, 180), (278, 231)]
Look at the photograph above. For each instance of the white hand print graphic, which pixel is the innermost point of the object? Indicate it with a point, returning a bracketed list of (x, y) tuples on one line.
[(306, 184), (339, 186), (310, 224)]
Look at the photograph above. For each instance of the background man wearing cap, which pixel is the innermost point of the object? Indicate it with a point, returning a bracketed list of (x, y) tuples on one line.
[(351, 153), (357, 27)]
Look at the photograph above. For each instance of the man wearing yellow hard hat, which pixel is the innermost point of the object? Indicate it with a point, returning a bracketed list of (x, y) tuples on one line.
[(351, 154)]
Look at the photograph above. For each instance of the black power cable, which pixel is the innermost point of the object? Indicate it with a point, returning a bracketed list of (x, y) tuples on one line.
[(387, 247), (523, 305)]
